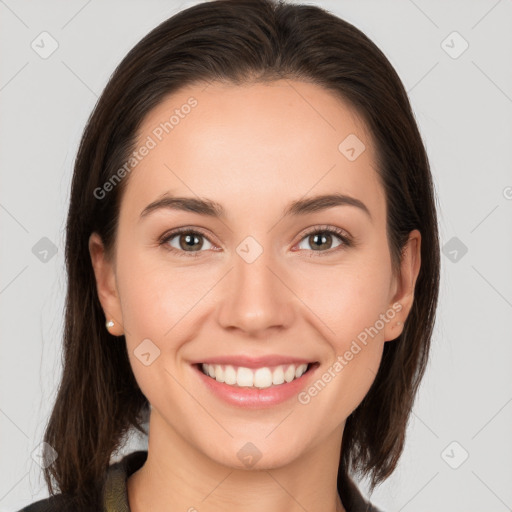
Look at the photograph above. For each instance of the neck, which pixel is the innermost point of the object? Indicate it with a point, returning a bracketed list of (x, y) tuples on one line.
[(176, 476)]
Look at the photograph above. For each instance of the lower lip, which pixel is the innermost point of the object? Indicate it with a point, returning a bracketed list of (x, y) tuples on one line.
[(255, 397)]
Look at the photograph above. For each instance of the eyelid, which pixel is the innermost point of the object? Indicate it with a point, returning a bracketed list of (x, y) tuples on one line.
[(325, 228)]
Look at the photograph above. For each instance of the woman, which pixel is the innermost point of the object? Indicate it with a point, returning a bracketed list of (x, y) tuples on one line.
[(253, 266)]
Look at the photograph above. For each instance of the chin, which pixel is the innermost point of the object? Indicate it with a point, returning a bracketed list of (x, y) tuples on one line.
[(249, 453)]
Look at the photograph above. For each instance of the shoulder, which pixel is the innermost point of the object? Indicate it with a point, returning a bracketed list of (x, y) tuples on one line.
[(114, 497), (57, 503)]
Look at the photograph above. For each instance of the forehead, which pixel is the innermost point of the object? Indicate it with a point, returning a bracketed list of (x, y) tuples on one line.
[(269, 142)]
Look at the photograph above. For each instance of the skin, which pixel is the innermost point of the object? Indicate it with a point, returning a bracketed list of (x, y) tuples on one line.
[(254, 149)]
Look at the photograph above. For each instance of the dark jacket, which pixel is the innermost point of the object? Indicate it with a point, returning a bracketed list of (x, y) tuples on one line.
[(115, 497)]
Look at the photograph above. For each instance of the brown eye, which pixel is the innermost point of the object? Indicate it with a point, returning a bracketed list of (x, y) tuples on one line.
[(186, 241), (323, 239)]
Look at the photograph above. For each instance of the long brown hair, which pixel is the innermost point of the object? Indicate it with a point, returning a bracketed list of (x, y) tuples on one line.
[(237, 41)]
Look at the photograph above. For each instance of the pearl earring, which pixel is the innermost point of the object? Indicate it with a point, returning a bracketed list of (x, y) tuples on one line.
[(109, 324), (399, 323)]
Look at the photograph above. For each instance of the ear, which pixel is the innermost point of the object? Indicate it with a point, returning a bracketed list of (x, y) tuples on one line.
[(104, 272), (403, 285)]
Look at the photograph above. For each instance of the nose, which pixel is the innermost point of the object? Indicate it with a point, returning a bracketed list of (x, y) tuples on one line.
[(256, 297)]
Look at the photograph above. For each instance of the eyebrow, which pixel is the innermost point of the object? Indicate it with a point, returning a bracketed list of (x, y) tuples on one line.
[(213, 209)]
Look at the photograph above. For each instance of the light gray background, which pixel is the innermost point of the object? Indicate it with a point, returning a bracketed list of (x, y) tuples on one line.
[(464, 109)]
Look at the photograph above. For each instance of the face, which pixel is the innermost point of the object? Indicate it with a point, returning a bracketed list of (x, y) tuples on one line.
[(261, 286)]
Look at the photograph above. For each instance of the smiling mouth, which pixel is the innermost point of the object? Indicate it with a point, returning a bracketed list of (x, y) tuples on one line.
[(261, 378)]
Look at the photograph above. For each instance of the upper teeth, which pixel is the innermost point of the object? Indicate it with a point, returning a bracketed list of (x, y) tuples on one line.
[(260, 378)]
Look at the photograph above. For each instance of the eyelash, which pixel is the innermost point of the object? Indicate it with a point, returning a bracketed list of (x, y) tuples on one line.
[(342, 235)]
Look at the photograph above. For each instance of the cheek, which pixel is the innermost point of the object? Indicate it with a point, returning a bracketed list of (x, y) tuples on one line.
[(345, 298), (155, 295), (156, 302), (349, 305)]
